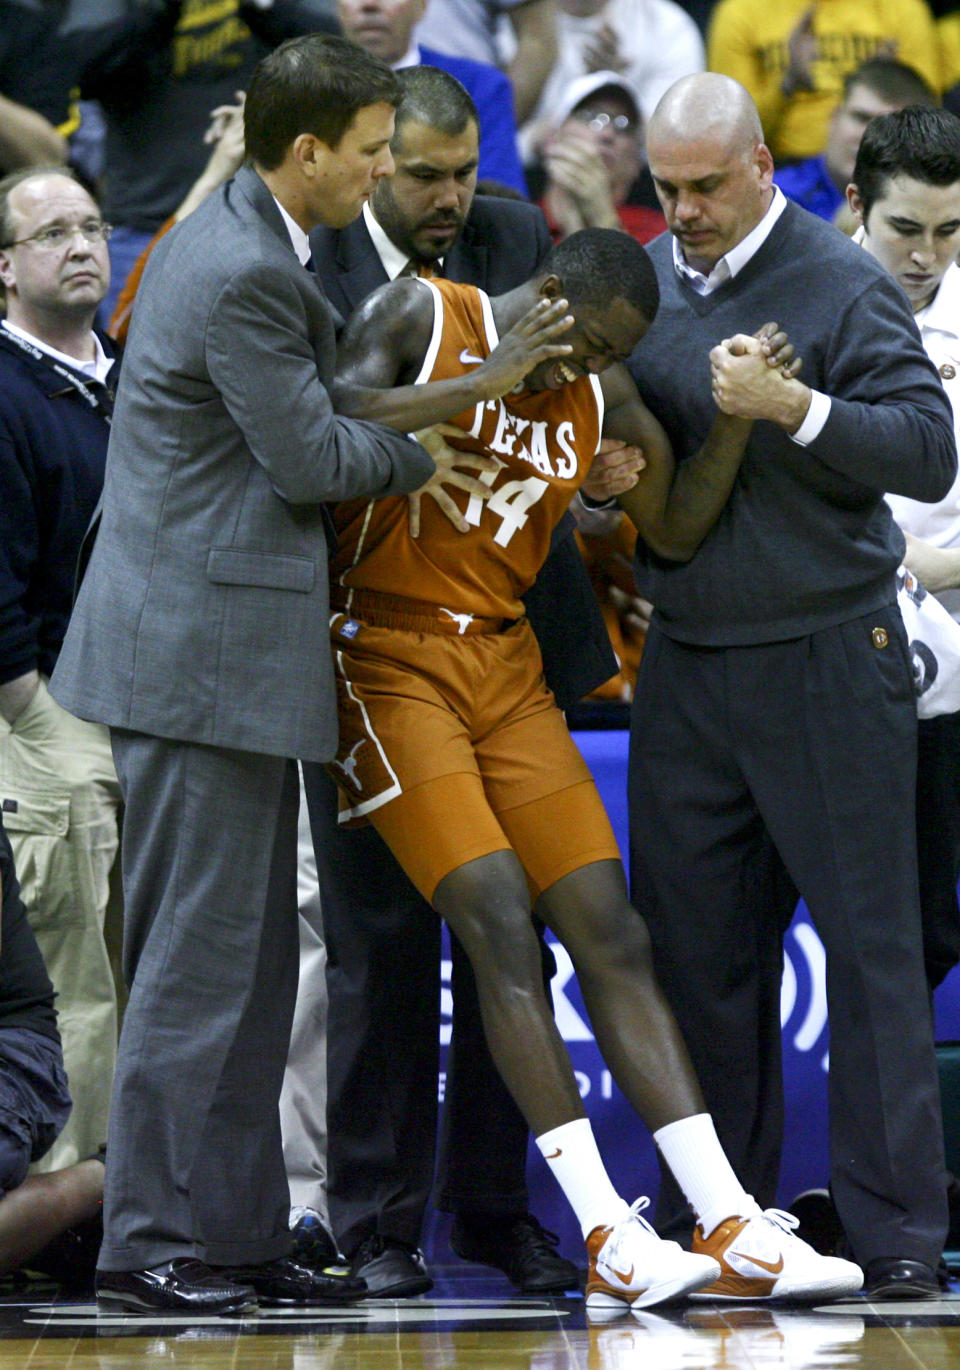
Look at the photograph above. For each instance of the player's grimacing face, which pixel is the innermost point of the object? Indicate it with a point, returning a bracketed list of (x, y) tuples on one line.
[(422, 207), (599, 337)]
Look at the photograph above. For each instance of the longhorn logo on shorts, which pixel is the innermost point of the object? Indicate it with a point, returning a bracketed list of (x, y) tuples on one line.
[(349, 767), (462, 620)]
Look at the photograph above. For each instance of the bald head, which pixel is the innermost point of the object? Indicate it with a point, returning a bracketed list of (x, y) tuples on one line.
[(711, 168), (707, 106)]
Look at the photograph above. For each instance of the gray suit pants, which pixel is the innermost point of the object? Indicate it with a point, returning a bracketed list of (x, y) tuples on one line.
[(195, 1165)]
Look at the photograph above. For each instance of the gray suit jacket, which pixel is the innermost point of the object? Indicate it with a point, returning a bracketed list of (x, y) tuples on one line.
[(203, 614)]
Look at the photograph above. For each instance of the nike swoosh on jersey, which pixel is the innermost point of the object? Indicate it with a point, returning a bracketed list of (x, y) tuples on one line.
[(765, 1266), (554, 1154), (467, 358)]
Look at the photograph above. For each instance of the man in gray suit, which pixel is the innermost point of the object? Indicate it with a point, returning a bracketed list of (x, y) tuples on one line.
[(200, 638)]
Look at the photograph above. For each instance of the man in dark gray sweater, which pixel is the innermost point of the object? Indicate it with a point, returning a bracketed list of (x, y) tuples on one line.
[(774, 740)]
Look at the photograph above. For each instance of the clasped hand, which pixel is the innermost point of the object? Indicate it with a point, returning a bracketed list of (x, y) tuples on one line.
[(753, 376)]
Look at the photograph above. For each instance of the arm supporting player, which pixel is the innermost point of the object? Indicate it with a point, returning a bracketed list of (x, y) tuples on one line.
[(674, 507), (386, 339)]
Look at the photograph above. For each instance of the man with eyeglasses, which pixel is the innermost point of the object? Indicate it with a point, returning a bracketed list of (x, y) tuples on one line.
[(58, 788), (593, 156)]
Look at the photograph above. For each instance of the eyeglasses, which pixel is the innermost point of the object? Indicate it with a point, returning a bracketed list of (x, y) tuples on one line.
[(94, 231), (598, 120)]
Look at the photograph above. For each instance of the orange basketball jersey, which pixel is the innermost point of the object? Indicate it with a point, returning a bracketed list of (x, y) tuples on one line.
[(544, 442)]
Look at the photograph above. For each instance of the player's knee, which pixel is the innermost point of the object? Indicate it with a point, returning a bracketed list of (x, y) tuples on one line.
[(623, 941), (502, 947)]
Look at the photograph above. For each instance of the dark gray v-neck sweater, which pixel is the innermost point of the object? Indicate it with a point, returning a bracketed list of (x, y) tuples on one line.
[(805, 540)]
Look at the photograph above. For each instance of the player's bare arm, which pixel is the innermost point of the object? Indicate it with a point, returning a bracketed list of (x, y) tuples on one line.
[(673, 508), (386, 340)]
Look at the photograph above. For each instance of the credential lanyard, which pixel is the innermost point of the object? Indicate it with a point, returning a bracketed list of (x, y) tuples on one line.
[(99, 399)]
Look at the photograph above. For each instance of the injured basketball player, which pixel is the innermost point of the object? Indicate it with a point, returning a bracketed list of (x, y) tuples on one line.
[(452, 746)]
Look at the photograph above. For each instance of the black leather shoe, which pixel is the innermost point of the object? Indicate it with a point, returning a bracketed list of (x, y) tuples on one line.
[(284, 1281), (519, 1246), (891, 1278), (390, 1269), (183, 1285)]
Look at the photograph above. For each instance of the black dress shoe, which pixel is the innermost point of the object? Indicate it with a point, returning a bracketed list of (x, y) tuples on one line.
[(284, 1281), (390, 1268), (519, 1246), (183, 1285), (892, 1278)]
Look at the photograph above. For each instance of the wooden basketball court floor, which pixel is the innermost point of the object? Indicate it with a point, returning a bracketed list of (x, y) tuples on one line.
[(471, 1321)]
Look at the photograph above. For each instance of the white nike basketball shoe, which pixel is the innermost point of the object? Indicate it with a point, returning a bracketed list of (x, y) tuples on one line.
[(761, 1258), (630, 1267)]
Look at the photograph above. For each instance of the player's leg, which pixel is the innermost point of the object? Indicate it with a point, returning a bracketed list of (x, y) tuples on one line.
[(486, 904), (638, 1036)]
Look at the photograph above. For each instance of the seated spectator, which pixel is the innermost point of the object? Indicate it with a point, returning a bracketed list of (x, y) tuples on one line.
[(385, 28), (36, 1210), (792, 58), (650, 43), (880, 86), (592, 159), (518, 35)]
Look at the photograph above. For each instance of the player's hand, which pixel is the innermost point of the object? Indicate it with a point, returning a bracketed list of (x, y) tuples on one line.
[(449, 463), (744, 385), (614, 470), (533, 339), (778, 349)]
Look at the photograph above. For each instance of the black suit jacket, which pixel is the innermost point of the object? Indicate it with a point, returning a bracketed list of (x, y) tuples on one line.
[(502, 244)]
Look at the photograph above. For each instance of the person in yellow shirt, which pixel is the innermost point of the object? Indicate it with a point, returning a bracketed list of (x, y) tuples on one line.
[(793, 57)]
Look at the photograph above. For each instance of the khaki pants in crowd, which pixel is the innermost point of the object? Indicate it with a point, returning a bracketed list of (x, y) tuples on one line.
[(61, 804)]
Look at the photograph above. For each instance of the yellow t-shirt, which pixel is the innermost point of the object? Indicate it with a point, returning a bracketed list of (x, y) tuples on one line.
[(948, 34), (748, 40)]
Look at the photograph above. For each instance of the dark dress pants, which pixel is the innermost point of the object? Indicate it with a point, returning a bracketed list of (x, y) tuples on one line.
[(211, 949), (755, 772)]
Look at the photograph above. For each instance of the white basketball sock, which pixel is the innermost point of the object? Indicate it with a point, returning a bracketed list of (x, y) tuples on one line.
[(700, 1167), (571, 1153)]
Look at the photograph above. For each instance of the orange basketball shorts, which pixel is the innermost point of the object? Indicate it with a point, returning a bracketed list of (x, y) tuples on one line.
[(452, 747)]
